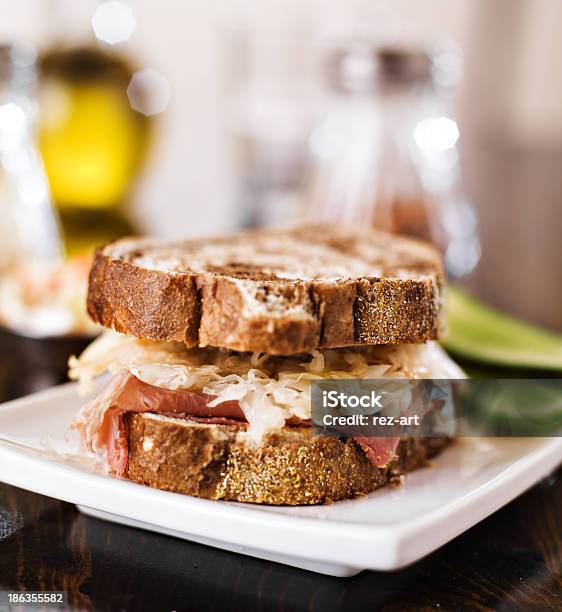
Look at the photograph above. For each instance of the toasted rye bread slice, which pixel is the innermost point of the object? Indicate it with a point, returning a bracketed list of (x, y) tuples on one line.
[(276, 291), (293, 467)]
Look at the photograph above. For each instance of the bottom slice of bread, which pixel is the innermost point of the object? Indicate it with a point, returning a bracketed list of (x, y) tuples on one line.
[(293, 467)]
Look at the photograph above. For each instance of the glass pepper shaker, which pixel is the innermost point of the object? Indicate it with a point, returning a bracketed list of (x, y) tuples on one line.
[(384, 151)]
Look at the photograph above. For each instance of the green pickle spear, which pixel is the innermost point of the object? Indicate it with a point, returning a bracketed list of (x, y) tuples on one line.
[(482, 334)]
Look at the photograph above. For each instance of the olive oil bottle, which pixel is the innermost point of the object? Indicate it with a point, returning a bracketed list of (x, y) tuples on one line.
[(92, 142)]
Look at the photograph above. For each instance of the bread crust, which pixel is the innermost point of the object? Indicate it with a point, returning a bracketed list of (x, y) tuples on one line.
[(293, 467), (396, 298)]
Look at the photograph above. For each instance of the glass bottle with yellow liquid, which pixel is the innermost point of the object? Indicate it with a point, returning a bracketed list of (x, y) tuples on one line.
[(91, 140)]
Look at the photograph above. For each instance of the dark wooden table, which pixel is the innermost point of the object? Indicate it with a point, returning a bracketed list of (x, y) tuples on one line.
[(511, 561)]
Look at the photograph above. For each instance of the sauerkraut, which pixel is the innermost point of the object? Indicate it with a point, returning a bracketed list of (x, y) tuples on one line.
[(270, 389)]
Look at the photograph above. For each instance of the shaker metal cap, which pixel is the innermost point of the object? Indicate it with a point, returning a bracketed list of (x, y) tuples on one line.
[(5, 62), (363, 68)]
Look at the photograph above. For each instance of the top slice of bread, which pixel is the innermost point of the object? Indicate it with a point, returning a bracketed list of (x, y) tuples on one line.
[(276, 291)]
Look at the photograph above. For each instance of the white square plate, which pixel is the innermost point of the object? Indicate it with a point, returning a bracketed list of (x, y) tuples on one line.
[(385, 530)]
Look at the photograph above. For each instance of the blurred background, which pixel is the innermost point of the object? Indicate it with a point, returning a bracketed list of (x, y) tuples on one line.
[(437, 118)]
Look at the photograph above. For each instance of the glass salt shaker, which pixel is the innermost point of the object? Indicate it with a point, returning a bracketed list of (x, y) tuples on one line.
[(28, 224)]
